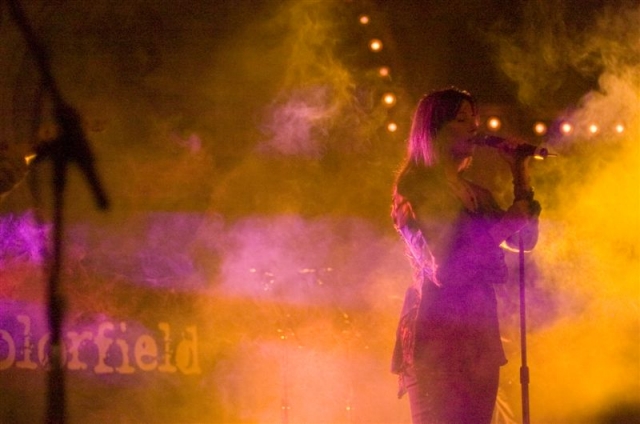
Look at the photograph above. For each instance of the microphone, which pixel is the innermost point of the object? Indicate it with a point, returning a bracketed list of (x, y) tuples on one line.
[(522, 150)]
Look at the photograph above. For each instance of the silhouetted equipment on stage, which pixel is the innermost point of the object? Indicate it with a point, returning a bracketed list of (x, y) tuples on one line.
[(70, 146), (522, 150)]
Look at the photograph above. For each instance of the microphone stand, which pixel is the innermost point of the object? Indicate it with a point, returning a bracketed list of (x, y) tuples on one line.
[(69, 146), (524, 369)]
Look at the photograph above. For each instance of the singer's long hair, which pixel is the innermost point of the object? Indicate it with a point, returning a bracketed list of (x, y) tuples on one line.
[(432, 113)]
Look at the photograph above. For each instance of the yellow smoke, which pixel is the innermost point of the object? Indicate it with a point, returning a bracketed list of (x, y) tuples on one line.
[(586, 366)]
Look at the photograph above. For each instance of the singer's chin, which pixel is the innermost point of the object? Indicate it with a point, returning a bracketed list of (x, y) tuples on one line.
[(466, 163), (462, 156)]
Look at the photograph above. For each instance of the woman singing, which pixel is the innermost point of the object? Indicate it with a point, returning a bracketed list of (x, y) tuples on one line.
[(448, 351)]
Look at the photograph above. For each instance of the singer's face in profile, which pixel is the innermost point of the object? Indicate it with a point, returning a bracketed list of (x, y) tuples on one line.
[(456, 134)]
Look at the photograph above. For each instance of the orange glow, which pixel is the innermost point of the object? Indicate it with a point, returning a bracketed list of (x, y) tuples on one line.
[(375, 45), (593, 128), (29, 158), (389, 99), (494, 123), (384, 71), (619, 128), (566, 128), (540, 128), (364, 19), (392, 127)]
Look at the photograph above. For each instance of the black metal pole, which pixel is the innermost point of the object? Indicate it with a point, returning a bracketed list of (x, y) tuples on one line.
[(70, 146), (524, 369), (56, 378)]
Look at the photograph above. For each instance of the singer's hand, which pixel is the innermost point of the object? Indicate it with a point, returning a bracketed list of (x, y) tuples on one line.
[(524, 209), (518, 164), (521, 213)]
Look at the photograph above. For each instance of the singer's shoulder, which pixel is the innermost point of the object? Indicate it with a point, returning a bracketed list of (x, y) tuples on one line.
[(416, 182)]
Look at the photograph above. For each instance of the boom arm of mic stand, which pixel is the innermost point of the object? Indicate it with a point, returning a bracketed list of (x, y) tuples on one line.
[(71, 145), (75, 148)]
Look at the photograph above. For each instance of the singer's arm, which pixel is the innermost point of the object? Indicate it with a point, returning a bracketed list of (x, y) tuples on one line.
[(523, 214), (522, 191)]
